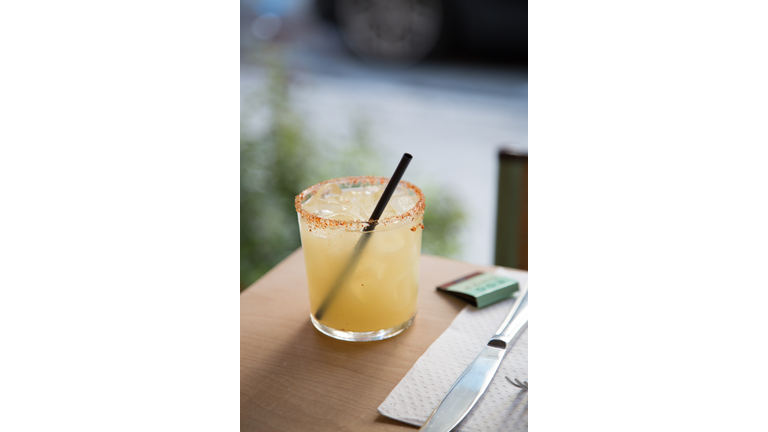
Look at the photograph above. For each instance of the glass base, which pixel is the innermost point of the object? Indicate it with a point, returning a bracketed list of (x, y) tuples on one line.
[(361, 336)]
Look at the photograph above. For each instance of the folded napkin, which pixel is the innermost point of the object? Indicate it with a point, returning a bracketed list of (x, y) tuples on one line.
[(503, 407)]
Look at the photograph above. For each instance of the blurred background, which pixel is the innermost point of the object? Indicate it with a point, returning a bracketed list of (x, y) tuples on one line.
[(332, 88)]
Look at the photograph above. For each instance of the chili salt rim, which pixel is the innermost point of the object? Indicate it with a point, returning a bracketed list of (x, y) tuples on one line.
[(320, 222)]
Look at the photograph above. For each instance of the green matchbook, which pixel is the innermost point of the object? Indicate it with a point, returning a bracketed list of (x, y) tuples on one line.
[(481, 289)]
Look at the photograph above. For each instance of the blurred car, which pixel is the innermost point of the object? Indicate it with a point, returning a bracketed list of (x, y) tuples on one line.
[(410, 30)]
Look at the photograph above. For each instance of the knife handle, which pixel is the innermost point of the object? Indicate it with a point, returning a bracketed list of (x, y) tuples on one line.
[(507, 331)]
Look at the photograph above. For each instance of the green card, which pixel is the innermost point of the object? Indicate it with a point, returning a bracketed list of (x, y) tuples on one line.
[(481, 289)]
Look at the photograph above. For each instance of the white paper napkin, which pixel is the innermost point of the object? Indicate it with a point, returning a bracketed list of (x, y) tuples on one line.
[(503, 407)]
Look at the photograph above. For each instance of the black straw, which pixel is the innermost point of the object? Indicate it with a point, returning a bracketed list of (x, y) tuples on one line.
[(372, 222)]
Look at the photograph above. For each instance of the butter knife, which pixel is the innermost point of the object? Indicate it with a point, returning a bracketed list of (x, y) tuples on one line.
[(466, 391)]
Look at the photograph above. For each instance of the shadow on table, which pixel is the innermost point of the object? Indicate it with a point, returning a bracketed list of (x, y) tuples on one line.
[(386, 420)]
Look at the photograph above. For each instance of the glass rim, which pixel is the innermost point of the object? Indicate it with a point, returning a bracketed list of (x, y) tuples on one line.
[(320, 222)]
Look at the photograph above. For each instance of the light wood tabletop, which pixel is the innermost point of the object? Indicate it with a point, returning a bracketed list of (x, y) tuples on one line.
[(294, 378)]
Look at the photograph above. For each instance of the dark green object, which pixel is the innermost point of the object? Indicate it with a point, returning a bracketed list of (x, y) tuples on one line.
[(481, 289), (512, 211)]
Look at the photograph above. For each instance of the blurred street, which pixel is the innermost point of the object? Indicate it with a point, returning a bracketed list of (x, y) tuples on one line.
[(451, 114)]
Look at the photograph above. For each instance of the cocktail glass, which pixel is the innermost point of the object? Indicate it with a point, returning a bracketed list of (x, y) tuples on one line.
[(361, 289)]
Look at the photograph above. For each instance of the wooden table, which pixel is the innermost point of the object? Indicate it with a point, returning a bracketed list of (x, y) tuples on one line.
[(294, 378)]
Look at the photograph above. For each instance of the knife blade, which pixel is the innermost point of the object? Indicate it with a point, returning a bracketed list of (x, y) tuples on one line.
[(468, 388)]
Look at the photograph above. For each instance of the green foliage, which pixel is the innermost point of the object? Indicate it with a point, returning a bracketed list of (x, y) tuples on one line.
[(274, 168), (444, 218), (278, 160)]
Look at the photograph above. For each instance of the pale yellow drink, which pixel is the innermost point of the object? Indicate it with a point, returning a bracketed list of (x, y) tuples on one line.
[(374, 295)]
